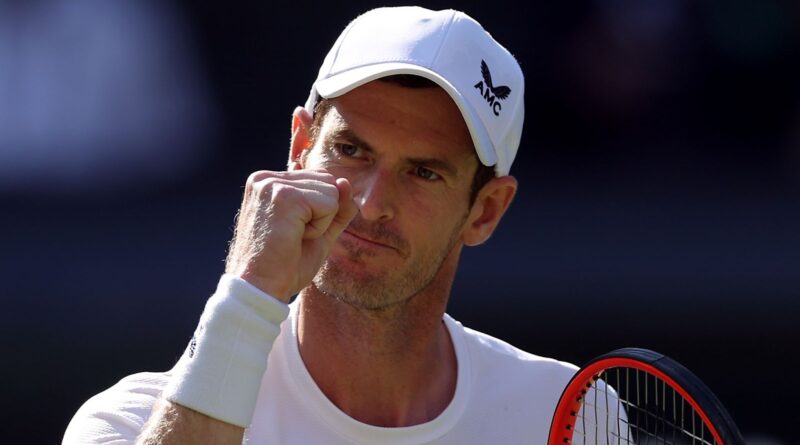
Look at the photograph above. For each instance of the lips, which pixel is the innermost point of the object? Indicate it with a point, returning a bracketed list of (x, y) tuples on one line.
[(368, 240)]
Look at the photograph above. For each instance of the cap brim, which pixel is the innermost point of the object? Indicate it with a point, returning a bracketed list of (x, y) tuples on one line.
[(341, 83)]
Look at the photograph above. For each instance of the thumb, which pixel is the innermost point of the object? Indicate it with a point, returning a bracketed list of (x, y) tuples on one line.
[(347, 210)]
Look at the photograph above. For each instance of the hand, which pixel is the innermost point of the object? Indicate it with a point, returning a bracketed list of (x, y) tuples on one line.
[(286, 227)]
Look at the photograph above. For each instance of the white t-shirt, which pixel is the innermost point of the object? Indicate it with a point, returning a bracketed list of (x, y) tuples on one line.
[(503, 396)]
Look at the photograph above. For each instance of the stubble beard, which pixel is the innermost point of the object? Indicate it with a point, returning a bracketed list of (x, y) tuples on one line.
[(375, 291)]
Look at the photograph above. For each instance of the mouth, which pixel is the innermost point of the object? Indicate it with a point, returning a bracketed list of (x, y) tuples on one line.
[(366, 241)]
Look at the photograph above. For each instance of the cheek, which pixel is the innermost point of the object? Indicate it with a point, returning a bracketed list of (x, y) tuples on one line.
[(439, 204), (435, 217), (316, 159)]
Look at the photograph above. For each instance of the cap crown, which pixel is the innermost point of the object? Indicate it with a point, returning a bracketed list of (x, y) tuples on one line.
[(447, 47)]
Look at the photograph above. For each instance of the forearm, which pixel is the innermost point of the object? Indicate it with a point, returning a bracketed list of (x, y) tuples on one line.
[(173, 424), (211, 393), (214, 387)]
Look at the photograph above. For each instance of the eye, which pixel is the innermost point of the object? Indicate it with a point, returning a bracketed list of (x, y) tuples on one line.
[(348, 150), (426, 174)]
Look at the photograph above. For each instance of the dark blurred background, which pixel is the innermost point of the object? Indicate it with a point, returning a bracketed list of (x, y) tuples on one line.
[(658, 206)]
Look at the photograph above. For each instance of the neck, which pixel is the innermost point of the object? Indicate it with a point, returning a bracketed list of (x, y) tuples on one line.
[(390, 367)]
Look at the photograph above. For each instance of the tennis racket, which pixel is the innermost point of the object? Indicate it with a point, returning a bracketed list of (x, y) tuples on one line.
[(637, 396)]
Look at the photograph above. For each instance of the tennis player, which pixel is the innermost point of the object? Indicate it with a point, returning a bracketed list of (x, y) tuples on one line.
[(399, 158)]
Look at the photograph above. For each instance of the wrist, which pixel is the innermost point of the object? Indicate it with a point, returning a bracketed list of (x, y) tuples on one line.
[(220, 372), (269, 286)]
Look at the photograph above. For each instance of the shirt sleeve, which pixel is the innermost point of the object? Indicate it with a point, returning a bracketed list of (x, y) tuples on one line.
[(117, 415)]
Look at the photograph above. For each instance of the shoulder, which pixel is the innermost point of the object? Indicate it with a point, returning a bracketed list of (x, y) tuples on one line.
[(517, 390), (116, 415), (494, 360)]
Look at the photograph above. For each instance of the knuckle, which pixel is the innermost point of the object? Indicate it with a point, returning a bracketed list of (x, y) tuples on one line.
[(328, 205), (254, 177), (267, 183), (321, 175), (265, 187), (329, 188), (328, 177), (281, 193), (255, 181)]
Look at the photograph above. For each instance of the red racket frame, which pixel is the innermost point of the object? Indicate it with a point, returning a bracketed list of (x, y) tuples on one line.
[(566, 413)]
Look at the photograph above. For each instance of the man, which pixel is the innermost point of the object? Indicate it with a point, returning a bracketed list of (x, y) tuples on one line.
[(399, 159)]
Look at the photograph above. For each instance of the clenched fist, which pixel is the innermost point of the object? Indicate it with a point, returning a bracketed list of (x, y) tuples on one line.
[(286, 227)]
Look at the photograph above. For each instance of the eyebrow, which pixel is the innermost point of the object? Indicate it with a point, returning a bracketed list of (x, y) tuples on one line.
[(434, 163), (348, 135)]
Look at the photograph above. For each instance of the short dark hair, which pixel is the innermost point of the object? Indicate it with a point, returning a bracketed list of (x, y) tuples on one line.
[(483, 174)]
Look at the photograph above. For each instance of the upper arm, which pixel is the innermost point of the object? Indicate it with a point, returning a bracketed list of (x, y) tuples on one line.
[(117, 415)]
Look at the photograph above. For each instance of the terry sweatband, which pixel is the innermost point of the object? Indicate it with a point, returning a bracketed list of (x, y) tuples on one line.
[(220, 372)]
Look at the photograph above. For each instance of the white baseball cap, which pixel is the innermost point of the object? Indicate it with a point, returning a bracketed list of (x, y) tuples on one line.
[(448, 47)]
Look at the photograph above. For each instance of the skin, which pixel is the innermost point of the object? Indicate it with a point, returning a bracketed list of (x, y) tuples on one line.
[(367, 224)]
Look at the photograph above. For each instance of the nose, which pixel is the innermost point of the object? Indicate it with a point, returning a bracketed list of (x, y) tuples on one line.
[(375, 194)]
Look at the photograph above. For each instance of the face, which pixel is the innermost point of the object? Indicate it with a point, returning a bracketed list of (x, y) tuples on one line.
[(409, 157)]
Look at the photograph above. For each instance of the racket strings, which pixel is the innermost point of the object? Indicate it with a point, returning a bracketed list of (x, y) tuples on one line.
[(628, 406)]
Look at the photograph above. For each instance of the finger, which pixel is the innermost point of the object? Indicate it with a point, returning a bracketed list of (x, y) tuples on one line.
[(347, 209), (303, 184), (323, 208), (286, 194), (319, 175), (257, 179), (265, 190)]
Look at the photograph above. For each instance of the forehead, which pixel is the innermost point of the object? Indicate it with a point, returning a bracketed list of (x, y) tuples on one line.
[(402, 119)]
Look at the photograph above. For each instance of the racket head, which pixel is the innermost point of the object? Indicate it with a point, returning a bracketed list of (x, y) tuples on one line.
[(636, 421)]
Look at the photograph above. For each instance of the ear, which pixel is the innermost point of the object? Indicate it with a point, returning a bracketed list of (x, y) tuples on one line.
[(301, 137), (489, 207)]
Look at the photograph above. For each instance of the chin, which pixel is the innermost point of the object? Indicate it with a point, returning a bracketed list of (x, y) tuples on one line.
[(351, 283)]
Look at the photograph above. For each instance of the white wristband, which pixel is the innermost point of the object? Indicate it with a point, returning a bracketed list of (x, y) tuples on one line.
[(220, 372)]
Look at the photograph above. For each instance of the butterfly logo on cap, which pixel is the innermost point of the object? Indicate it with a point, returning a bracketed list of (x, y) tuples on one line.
[(490, 92)]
